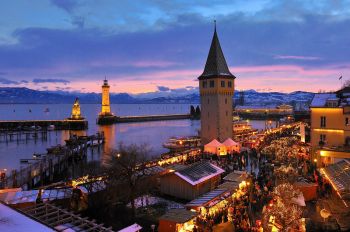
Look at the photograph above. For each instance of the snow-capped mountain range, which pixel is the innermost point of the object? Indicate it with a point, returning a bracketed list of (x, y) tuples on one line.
[(186, 95)]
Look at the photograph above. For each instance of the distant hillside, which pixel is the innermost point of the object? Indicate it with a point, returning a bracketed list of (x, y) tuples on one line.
[(251, 97)]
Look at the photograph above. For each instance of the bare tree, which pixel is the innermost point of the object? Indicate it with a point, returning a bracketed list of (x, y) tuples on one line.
[(126, 171), (346, 83)]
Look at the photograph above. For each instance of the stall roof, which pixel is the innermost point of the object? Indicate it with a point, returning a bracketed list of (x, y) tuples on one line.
[(339, 175), (17, 197), (236, 176), (229, 185), (214, 143), (199, 172), (178, 215), (11, 220), (133, 228), (30, 196), (176, 166), (206, 198), (229, 143)]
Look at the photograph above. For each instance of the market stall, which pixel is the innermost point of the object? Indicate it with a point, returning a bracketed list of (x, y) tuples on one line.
[(309, 190), (232, 146), (215, 147), (177, 220)]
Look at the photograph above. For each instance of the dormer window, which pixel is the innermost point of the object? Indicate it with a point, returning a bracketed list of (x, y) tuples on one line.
[(332, 103)]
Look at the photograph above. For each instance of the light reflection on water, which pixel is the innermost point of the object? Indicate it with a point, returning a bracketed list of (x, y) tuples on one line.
[(152, 133)]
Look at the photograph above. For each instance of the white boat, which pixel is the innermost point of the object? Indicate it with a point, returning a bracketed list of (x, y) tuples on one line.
[(180, 143), (51, 127)]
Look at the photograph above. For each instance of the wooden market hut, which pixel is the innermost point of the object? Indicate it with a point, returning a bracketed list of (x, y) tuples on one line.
[(191, 181), (177, 219)]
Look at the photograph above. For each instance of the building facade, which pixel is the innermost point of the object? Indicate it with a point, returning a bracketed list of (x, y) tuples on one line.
[(330, 127), (106, 107), (216, 86)]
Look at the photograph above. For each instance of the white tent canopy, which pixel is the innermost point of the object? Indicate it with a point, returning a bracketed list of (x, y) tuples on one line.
[(232, 145), (215, 147)]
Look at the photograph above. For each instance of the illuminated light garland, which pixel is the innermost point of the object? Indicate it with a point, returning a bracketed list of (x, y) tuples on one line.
[(329, 130)]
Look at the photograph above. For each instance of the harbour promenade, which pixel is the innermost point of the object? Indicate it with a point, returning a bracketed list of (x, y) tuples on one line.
[(44, 168)]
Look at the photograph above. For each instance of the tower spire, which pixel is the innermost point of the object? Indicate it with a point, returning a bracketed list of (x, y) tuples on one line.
[(216, 64)]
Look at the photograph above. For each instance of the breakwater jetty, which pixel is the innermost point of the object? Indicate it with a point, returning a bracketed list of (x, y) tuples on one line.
[(45, 168), (11, 125), (144, 118)]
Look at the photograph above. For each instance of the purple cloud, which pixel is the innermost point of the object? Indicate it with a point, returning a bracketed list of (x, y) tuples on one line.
[(163, 88), (67, 5), (8, 82), (38, 80)]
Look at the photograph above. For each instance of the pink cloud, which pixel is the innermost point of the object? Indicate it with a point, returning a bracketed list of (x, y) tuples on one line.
[(276, 77), (154, 63)]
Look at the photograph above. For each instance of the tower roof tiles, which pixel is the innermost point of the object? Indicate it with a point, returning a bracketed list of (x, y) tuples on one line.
[(216, 65)]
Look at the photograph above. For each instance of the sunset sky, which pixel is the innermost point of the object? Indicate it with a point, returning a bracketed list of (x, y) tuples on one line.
[(146, 46)]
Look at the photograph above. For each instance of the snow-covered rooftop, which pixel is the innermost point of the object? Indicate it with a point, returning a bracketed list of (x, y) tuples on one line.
[(11, 220), (320, 99), (199, 172), (133, 228)]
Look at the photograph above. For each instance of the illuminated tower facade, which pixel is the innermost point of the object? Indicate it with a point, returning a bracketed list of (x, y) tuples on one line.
[(106, 107), (216, 86), (76, 114)]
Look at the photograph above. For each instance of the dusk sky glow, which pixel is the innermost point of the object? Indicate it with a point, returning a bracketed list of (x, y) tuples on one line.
[(146, 46)]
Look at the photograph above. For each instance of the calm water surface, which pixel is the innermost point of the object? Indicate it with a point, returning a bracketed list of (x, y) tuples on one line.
[(152, 133)]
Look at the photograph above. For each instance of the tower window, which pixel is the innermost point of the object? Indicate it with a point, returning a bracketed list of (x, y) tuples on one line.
[(225, 100), (204, 84), (211, 84), (208, 114), (208, 101), (346, 121), (226, 113), (222, 83), (323, 121), (229, 84)]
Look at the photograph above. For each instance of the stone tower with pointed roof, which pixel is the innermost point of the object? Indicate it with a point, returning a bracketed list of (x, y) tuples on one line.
[(216, 87)]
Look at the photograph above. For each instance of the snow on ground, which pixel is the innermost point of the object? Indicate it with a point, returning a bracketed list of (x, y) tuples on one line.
[(148, 200)]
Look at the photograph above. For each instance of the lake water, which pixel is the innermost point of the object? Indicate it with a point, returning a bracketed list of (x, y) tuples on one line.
[(152, 133)]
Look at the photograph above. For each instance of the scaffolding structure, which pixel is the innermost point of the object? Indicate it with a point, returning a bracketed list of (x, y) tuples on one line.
[(61, 219)]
